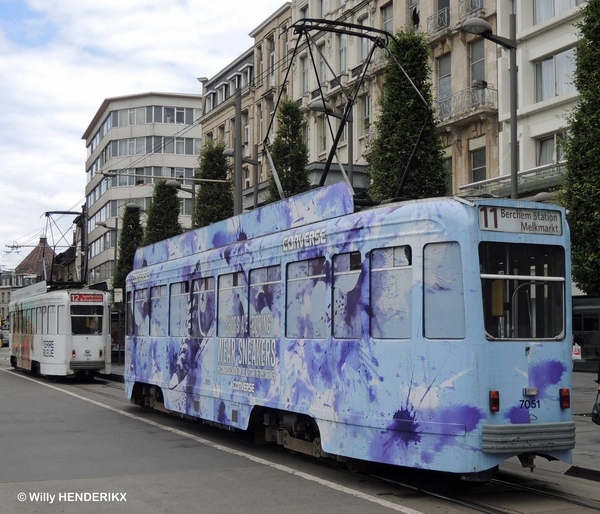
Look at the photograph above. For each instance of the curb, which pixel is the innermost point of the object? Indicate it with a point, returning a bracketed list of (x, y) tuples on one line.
[(579, 472)]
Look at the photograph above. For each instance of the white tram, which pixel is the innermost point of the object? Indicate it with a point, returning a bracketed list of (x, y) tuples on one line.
[(61, 332)]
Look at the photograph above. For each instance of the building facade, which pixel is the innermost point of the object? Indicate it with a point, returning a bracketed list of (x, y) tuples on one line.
[(132, 142)]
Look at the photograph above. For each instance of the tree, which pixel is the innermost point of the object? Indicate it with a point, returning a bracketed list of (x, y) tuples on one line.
[(214, 200), (163, 214), (399, 124), (130, 239), (581, 188), (289, 153)]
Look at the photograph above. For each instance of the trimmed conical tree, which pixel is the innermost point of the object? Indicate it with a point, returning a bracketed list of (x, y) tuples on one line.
[(581, 189), (401, 118), (130, 239), (163, 214), (214, 200), (289, 153)]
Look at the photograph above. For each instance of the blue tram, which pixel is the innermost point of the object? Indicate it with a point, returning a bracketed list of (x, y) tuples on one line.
[(431, 333)]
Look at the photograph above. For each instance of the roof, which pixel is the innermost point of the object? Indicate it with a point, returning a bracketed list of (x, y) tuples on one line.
[(34, 262)]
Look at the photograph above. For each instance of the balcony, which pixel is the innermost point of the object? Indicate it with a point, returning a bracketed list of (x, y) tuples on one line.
[(467, 8), (531, 181), (465, 103), (439, 21)]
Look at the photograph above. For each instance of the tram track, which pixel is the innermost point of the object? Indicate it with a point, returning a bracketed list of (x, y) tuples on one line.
[(464, 497)]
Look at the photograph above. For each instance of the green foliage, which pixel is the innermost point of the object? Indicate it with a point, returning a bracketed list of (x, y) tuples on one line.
[(163, 214), (580, 191), (289, 153), (399, 123), (214, 200), (130, 239)]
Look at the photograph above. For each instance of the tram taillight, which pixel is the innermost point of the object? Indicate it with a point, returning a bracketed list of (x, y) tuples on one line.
[(73, 354), (494, 401), (100, 353), (565, 398)]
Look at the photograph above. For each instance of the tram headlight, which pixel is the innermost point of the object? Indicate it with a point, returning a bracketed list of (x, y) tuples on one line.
[(73, 354)]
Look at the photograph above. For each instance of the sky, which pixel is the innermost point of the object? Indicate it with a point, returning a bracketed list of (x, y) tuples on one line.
[(59, 60)]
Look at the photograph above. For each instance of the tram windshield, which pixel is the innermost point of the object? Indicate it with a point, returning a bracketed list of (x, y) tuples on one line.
[(86, 319), (523, 290)]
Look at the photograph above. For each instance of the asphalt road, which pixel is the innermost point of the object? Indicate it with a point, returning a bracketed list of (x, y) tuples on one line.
[(72, 447)]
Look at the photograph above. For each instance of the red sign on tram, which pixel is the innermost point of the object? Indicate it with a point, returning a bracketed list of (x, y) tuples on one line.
[(86, 297)]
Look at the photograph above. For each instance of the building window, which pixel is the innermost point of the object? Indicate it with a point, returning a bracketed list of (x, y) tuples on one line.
[(478, 168), (546, 9), (323, 8), (322, 132), (365, 43), (477, 60), (414, 14), (322, 64), (304, 74), (365, 113), (387, 18), (342, 41), (554, 76), (444, 85), (303, 12), (549, 149)]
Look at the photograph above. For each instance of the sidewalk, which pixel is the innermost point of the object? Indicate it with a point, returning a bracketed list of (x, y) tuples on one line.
[(586, 454)]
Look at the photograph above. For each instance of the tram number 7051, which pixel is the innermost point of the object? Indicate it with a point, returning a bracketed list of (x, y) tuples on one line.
[(530, 404)]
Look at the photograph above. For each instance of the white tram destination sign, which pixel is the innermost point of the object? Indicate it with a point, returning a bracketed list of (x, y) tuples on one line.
[(523, 221)]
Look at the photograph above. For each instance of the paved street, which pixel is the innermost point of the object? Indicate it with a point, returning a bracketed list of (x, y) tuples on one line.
[(74, 447)]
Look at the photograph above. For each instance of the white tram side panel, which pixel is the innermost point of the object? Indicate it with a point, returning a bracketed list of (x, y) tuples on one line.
[(394, 330), (61, 332)]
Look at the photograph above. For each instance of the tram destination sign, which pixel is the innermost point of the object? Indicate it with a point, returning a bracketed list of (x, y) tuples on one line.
[(86, 297), (522, 221)]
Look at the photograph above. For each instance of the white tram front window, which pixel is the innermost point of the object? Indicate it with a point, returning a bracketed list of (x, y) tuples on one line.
[(523, 290), (86, 319)]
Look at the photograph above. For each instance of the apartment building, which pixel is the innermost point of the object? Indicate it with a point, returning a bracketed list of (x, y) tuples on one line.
[(132, 142), (258, 76)]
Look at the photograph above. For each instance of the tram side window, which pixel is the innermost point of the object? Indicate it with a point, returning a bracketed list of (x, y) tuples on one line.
[(38, 321), (391, 293), (231, 319), (140, 312), (51, 323), (523, 287), (443, 292), (129, 314), (347, 302), (265, 301), (61, 324), (44, 321), (178, 309), (86, 319), (307, 306), (203, 307), (158, 311)]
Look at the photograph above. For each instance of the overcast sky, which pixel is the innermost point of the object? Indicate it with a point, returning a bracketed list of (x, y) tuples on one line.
[(59, 59)]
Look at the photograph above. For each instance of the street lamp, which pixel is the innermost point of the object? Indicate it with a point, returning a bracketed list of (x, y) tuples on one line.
[(482, 28), (230, 152), (177, 185), (327, 108)]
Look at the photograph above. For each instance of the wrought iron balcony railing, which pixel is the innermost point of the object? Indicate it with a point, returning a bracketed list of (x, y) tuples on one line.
[(465, 101), (440, 20), (469, 7)]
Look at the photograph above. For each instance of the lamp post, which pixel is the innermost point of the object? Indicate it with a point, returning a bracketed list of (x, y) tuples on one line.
[(327, 108), (230, 152), (484, 29)]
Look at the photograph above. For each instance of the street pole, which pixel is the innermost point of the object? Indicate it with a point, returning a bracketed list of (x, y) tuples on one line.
[(350, 150), (514, 152), (237, 155), (255, 174)]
